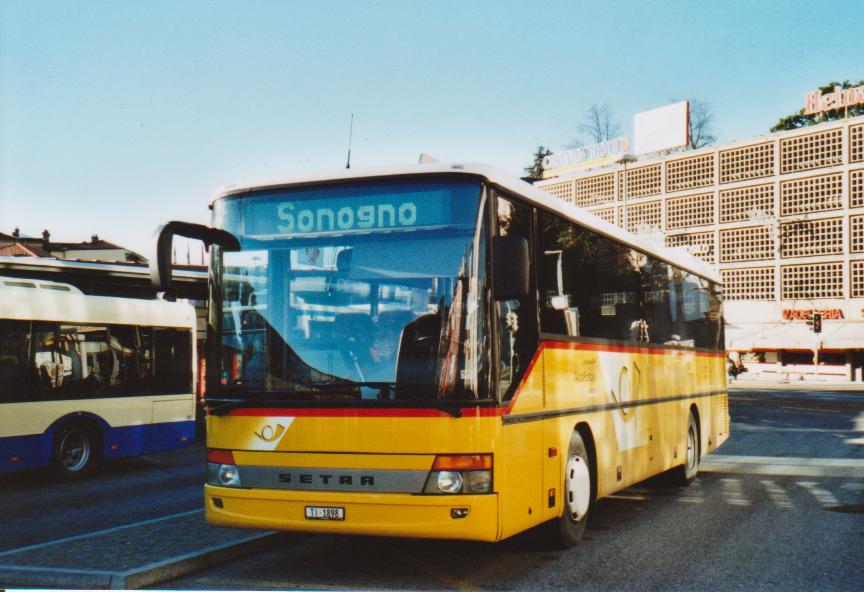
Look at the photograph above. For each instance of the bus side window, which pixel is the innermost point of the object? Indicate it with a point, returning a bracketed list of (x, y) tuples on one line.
[(16, 373)]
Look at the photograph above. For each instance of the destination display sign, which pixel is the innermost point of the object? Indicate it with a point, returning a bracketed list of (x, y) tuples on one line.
[(284, 216)]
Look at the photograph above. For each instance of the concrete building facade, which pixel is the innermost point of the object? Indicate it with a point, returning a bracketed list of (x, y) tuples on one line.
[(781, 216)]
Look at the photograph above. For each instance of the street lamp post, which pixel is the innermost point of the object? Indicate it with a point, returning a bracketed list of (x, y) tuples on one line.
[(624, 160)]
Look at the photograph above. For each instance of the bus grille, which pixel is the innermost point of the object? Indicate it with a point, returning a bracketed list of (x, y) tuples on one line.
[(721, 414)]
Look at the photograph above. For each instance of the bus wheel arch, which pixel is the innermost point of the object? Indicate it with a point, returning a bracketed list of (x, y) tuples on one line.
[(76, 447), (694, 411), (579, 467)]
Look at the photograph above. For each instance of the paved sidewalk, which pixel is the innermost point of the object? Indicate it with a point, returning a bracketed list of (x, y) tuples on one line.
[(797, 385), (131, 556)]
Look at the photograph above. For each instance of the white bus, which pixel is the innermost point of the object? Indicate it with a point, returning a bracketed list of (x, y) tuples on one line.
[(91, 378)]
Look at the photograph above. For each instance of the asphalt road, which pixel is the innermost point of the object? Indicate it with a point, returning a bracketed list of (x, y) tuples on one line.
[(780, 506), (37, 508)]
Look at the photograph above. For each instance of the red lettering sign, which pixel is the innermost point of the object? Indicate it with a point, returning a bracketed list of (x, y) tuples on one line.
[(829, 314)]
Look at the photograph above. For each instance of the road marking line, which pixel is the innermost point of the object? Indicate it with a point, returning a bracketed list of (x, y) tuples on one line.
[(796, 408), (777, 494), (755, 428), (784, 466), (826, 498), (56, 570), (99, 532)]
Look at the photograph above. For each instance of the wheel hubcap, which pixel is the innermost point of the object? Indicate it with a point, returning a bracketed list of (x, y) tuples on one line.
[(74, 450), (691, 449), (578, 487)]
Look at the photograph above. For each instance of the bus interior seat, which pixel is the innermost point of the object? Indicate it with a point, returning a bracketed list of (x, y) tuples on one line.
[(418, 356)]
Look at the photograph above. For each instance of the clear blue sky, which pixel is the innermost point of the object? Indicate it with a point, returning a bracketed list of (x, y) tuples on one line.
[(116, 116)]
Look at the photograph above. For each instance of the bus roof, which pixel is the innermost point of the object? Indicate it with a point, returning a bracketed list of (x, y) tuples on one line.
[(44, 305), (678, 257)]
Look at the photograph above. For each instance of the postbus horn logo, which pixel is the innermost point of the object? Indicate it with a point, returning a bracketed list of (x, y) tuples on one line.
[(268, 434)]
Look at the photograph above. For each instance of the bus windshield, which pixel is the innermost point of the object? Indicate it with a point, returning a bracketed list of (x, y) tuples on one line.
[(357, 291)]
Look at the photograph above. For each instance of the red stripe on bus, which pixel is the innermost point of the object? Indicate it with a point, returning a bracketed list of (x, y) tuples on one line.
[(635, 349)]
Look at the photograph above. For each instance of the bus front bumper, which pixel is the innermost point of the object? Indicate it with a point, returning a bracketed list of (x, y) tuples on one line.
[(391, 514)]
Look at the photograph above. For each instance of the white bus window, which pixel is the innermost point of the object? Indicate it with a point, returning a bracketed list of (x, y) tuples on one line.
[(16, 372)]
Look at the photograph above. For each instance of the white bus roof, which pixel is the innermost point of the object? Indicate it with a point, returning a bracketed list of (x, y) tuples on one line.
[(677, 257), (13, 283), (48, 305)]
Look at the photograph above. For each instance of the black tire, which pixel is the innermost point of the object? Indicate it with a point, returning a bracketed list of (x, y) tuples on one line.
[(686, 473), (76, 450), (578, 495)]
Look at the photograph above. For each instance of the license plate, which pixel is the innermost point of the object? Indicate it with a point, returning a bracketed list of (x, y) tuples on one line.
[(324, 513)]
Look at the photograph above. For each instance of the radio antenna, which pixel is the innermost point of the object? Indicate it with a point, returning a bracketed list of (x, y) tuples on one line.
[(350, 136)]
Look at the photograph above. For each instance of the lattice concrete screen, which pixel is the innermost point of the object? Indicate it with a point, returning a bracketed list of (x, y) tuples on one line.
[(856, 234), (755, 283), (700, 244), (642, 218), (813, 194), (607, 214), (748, 162), (805, 238), (747, 203), (692, 210), (856, 189), (746, 244), (689, 173), (811, 151), (856, 143), (856, 269), (815, 280), (595, 190), (563, 191), (641, 182)]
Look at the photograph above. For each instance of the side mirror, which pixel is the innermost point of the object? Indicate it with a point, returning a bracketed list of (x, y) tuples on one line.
[(160, 265), (511, 267)]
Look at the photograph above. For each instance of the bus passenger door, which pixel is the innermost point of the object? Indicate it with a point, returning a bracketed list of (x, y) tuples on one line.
[(520, 385)]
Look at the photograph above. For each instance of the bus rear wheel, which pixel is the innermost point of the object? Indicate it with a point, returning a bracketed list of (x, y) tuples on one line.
[(75, 450), (569, 528), (686, 473)]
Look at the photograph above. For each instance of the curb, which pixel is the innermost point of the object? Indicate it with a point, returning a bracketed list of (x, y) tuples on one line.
[(139, 577)]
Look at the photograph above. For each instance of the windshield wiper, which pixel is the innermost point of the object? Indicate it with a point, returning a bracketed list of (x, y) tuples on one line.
[(252, 401), (386, 389)]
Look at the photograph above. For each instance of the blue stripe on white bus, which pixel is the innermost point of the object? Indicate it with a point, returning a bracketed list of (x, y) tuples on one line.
[(30, 452)]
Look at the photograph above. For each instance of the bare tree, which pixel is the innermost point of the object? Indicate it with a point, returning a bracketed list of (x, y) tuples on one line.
[(701, 124), (600, 124)]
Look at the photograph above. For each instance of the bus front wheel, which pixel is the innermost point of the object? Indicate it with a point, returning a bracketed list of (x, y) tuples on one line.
[(75, 450), (570, 526)]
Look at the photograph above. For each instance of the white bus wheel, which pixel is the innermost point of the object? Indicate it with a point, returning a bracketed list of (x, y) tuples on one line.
[(577, 497), (685, 474)]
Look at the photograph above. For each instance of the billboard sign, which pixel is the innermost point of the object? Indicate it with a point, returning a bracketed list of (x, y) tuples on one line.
[(584, 157), (662, 128)]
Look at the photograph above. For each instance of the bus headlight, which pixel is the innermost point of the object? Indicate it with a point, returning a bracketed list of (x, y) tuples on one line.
[(449, 482), (223, 475), (464, 474), (221, 469)]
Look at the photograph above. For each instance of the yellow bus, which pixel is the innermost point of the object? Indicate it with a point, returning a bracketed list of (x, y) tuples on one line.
[(443, 351)]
